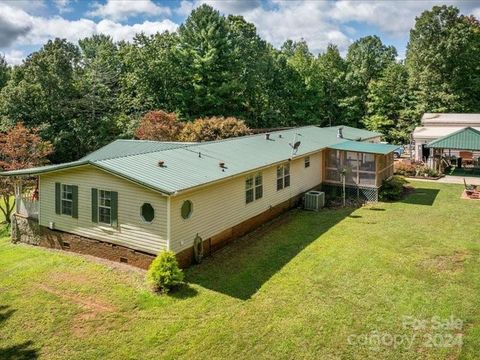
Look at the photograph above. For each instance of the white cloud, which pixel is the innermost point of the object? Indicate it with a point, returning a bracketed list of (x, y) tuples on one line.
[(283, 20), (395, 18), (127, 32), (14, 57), (19, 29), (31, 6), (13, 24), (122, 9), (63, 6)]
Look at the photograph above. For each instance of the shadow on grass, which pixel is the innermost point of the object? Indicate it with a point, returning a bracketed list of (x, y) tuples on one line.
[(241, 268), (21, 351), (421, 196), (183, 291)]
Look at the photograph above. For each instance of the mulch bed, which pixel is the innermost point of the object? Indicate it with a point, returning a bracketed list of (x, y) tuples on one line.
[(472, 196)]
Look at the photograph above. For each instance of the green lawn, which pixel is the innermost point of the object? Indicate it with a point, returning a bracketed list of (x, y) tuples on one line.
[(313, 285)]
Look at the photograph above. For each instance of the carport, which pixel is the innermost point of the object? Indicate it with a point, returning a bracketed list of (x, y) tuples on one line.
[(466, 140)]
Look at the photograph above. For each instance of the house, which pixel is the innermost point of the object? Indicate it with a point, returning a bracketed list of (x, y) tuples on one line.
[(435, 126), (131, 199)]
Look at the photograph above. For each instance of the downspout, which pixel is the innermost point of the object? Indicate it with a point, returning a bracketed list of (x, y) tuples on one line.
[(169, 221)]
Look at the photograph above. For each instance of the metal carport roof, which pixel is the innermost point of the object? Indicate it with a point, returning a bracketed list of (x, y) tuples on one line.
[(464, 139)]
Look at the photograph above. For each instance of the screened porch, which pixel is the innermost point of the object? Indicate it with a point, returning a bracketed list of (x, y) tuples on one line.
[(362, 169)]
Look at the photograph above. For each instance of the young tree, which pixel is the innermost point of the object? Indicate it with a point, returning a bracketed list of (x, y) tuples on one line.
[(366, 59), (442, 60), (214, 128), (329, 77), (20, 148), (4, 72), (389, 103), (160, 126), (206, 59), (97, 82), (42, 93)]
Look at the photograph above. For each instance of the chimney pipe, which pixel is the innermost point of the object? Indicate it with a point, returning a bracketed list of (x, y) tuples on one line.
[(340, 132)]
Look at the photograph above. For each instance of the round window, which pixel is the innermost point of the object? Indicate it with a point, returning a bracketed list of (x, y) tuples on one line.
[(187, 209), (148, 212)]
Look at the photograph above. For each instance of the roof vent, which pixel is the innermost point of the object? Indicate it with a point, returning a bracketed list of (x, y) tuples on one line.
[(267, 136), (222, 165), (340, 132), (279, 136), (161, 163)]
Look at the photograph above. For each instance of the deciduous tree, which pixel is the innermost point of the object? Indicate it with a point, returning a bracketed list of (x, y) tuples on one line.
[(215, 128), (160, 126), (20, 148)]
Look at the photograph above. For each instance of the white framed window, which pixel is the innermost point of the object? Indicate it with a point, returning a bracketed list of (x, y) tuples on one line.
[(67, 199), (105, 207), (283, 176), (307, 161), (253, 187)]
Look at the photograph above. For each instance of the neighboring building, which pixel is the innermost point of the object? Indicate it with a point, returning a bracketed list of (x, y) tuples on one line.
[(132, 199), (437, 125)]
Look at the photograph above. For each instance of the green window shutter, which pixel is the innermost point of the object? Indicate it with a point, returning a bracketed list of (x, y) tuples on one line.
[(75, 201), (94, 205), (58, 199), (114, 206)]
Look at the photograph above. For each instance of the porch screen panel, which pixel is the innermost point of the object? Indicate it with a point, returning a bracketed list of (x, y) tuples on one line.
[(351, 165), (333, 165), (366, 166)]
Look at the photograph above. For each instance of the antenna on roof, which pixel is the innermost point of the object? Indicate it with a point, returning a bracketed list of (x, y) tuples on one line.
[(295, 145)]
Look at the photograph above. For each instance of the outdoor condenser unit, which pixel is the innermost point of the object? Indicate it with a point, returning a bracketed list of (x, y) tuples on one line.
[(314, 200)]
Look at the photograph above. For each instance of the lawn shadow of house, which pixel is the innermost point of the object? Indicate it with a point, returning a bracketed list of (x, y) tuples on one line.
[(242, 267), (421, 196), (22, 351)]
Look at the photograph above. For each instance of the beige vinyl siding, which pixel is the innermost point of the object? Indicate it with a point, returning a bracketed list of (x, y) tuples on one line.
[(222, 205), (132, 231)]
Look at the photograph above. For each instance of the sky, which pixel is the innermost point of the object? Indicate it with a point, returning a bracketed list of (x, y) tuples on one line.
[(25, 25)]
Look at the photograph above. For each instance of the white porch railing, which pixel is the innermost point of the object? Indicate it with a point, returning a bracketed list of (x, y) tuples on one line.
[(26, 204), (27, 207)]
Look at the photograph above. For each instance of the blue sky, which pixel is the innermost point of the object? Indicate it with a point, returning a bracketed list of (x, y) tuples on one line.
[(25, 25)]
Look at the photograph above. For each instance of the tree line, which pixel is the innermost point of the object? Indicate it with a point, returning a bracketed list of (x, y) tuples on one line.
[(82, 96)]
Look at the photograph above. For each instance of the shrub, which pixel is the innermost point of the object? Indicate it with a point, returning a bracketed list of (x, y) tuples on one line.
[(160, 126), (426, 171), (404, 169), (214, 128), (164, 273), (392, 188)]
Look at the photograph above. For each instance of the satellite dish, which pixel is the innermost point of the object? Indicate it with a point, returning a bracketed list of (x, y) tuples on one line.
[(296, 145)]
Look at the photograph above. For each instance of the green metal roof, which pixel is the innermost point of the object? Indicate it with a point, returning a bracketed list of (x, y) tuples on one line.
[(351, 133), (189, 165), (464, 139), (124, 147), (365, 147)]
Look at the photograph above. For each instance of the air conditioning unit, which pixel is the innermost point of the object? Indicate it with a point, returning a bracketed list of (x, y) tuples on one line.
[(314, 200)]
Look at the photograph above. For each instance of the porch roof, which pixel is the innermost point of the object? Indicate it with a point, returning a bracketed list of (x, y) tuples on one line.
[(364, 147), (464, 139)]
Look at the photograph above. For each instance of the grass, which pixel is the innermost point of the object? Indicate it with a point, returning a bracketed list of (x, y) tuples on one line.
[(298, 289), (473, 172)]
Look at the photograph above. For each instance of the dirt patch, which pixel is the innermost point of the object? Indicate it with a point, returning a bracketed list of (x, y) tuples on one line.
[(446, 263), (92, 309)]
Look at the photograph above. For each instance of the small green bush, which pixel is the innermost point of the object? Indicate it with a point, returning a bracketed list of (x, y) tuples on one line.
[(426, 171), (164, 273), (392, 188)]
